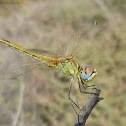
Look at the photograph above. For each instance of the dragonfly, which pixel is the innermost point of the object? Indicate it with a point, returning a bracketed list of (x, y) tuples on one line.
[(69, 65)]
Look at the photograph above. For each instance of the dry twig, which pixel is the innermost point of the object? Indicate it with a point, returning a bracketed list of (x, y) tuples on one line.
[(86, 110)]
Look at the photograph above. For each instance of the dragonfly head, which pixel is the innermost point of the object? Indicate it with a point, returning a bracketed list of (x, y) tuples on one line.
[(88, 73)]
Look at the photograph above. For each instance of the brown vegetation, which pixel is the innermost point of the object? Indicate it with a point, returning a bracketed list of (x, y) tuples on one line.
[(40, 98)]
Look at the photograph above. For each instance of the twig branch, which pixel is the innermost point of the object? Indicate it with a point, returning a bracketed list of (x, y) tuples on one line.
[(16, 117), (86, 110)]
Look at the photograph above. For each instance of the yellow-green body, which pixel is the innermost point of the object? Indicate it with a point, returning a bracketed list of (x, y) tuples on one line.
[(68, 65)]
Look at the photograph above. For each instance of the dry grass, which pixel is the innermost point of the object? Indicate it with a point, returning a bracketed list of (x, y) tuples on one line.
[(43, 25)]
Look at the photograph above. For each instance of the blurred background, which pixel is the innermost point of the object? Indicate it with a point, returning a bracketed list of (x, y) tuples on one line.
[(39, 98)]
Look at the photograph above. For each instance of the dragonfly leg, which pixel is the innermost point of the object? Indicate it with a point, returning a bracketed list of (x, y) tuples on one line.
[(71, 101), (85, 86), (90, 86)]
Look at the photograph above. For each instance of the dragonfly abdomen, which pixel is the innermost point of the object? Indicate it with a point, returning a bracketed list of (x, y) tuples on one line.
[(36, 56)]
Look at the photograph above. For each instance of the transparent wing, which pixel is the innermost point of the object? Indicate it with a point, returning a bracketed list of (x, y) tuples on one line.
[(80, 38), (70, 42), (15, 70), (44, 52), (15, 64), (21, 64)]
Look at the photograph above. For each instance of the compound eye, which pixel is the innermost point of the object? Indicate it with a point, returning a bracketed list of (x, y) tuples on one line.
[(86, 70)]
